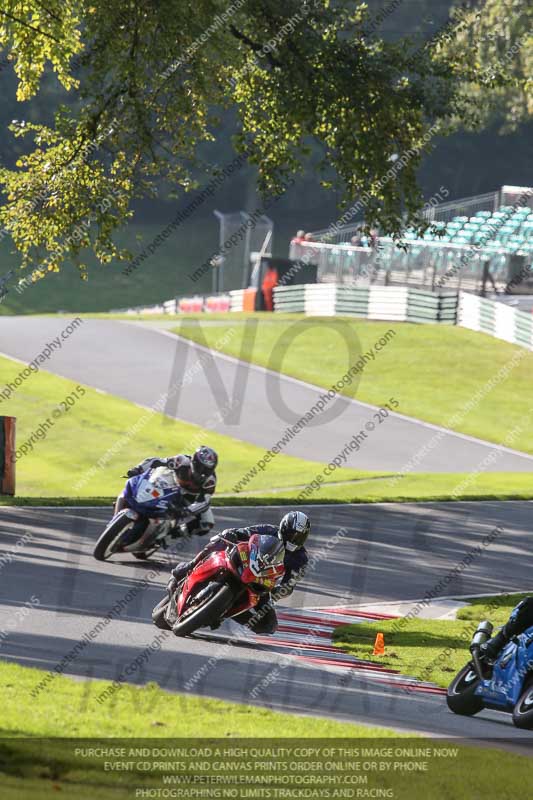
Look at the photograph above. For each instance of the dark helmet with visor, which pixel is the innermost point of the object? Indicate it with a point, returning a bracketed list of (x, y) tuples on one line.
[(294, 529), (203, 463)]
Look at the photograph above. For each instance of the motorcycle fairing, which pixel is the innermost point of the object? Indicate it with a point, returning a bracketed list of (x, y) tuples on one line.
[(268, 580), (215, 565), (514, 663), (151, 492), (204, 572)]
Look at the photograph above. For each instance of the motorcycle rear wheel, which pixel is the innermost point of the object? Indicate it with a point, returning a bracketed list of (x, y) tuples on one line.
[(460, 696), (207, 613), (523, 710), (104, 546)]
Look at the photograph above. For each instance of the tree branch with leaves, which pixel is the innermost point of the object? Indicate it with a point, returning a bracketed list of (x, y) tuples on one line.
[(154, 78)]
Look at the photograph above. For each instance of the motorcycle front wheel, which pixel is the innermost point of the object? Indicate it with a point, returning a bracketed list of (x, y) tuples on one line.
[(523, 710), (208, 612), (158, 614), (108, 541), (460, 696)]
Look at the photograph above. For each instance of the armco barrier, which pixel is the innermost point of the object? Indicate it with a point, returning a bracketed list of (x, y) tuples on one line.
[(352, 301), (171, 306), (428, 307), (400, 303), (370, 302), (388, 302)]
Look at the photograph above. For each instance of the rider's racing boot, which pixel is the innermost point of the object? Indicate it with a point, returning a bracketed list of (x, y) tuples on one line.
[(491, 649), (181, 570), (177, 575)]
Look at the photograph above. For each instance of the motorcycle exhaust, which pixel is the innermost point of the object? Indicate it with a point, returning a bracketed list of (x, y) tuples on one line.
[(482, 634)]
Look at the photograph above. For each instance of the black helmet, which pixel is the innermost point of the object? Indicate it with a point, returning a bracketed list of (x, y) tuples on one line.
[(203, 463), (294, 529)]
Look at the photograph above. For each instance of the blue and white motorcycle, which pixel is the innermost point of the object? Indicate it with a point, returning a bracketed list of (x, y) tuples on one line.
[(507, 685), (157, 514)]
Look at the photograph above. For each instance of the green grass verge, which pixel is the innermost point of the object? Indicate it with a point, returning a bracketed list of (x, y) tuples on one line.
[(429, 649), (415, 487), (433, 371), (50, 768), (100, 424), (410, 488), (69, 708)]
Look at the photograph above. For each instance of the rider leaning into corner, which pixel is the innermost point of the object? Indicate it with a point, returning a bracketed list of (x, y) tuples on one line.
[(293, 530), (195, 475), (520, 620)]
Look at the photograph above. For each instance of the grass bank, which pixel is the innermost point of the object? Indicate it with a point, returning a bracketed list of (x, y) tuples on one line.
[(160, 277), (35, 763), (429, 649), (379, 489), (106, 435)]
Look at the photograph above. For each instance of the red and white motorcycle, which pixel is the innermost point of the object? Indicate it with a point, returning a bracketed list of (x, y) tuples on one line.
[(224, 584)]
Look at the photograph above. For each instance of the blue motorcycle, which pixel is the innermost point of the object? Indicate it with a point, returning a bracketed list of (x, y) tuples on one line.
[(506, 685), (157, 514)]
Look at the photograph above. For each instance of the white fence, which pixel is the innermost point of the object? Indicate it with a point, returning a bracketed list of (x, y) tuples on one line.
[(425, 264)]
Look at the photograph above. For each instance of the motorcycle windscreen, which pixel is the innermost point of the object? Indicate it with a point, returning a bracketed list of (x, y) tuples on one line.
[(155, 484), (266, 558)]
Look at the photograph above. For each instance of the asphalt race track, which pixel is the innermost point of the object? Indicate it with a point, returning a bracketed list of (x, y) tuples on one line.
[(389, 552), (141, 363)]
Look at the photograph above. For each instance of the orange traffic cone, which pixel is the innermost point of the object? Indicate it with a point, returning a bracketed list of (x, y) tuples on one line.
[(379, 645)]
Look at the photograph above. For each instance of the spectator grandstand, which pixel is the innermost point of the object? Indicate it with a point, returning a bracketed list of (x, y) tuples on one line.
[(490, 245)]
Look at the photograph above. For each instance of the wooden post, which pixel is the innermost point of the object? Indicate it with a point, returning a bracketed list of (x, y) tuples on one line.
[(7, 455)]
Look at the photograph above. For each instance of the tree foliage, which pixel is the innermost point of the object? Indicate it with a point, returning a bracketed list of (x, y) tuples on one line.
[(146, 80), (497, 48)]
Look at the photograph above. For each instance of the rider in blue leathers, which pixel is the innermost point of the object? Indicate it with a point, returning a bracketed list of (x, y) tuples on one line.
[(195, 475), (521, 618)]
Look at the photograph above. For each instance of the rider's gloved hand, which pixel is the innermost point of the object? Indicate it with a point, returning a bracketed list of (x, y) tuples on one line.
[(178, 504), (133, 471), (227, 533), (280, 592)]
